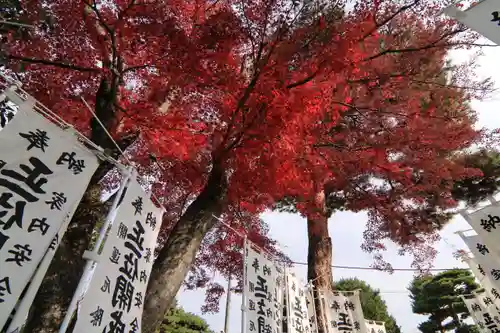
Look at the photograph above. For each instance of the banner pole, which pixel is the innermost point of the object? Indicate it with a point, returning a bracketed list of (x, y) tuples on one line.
[(245, 282), (92, 256)]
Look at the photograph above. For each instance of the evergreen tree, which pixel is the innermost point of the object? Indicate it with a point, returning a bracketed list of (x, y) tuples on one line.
[(374, 307), (179, 321), (438, 296)]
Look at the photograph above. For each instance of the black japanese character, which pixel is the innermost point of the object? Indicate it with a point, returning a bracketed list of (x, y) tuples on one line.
[(57, 201), (251, 286), (482, 248), (294, 287), (115, 255), (344, 323), (96, 316), (261, 288), (301, 292), (54, 242), (122, 231), (32, 179), (39, 224), (487, 301), (130, 267), (134, 326), (495, 273), (151, 220), (335, 306), (137, 238), (144, 277), (261, 304), (251, 305), (297, 308), (3, 239), (106, 287), (299, 327), (490, 223), (116, 325), (496, 319), (137, 203), (269, 313), (147, 256), (496, 17), (37, 139), (138, 299), (255, 264), (21, 254), (123, 294), (4, 288), (74, 164), (481, 270), (475, 307), (333, 324), (495, 293), (262, 327), (251, 326), (17, 217), (489, 323), (357, 326), (266, 270), (348, 305)]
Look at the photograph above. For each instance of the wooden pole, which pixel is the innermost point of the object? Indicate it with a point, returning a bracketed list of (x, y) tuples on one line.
[(228, 305)]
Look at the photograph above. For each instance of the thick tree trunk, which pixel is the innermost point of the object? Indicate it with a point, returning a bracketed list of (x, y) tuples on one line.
[(175, 259), (319, 257)]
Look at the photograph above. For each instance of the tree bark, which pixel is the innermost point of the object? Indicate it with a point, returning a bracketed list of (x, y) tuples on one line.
[(175, 258), (319, 257)]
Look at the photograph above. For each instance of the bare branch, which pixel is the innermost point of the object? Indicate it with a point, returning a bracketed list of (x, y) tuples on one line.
[(55, 64)]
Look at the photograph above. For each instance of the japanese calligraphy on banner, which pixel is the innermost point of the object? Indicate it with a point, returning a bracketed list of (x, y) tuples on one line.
[(488, 261), (480, 274), (375, 326), (298, 319), (114, 299), (343, 312), (486, 222), (263, 293), (311, 310), (483, 318), (483, 17), (44, 172)]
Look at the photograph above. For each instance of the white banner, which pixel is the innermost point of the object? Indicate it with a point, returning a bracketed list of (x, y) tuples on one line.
[(114, 299), (344, 312), (483, 18), (298, 319), (375, 326), (485, 257), (484, 281), (481, 316), (311, 309), (263, 293), (486, 222), (44, 172)]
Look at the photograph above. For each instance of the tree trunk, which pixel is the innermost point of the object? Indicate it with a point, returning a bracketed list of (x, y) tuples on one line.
[(175, 258), (319, 257)]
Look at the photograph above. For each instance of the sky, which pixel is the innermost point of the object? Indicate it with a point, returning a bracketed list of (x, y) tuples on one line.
[(346, 230)]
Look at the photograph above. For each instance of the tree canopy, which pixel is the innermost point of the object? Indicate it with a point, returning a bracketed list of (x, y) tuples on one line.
[(374, 307), (438, 296), (179, 321)]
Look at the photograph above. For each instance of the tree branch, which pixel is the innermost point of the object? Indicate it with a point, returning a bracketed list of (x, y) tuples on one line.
[(55, 64)]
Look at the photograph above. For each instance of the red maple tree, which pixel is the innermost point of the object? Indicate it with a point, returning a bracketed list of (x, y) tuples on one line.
[(247, 90)]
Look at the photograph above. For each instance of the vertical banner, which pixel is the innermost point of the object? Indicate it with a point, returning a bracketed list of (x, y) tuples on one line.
[(484, 281), (297, 320), (311, 309), (344, 312), (115, 296), (44, 172), (480, 315), (483, 18), (486, 222), (486, 258), (264, 284), (375, 326)]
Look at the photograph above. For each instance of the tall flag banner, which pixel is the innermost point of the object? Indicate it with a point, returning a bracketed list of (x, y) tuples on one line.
[(344, 312), (311, 310), (484, 281), (115, 296), (483, 17), (480, 314), (263, 293), (44, 172), (375, 326), (489, 264), (298, 319), (485, 222)]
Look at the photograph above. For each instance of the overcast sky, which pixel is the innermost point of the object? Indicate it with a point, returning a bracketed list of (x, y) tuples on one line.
[(346, 231)]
